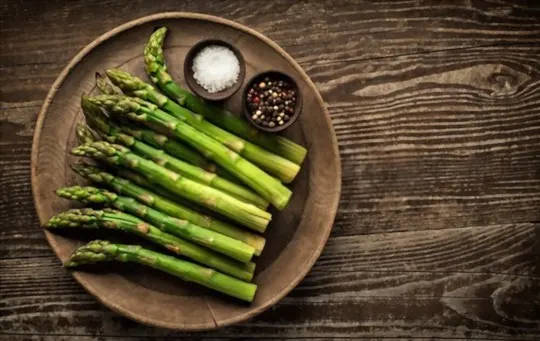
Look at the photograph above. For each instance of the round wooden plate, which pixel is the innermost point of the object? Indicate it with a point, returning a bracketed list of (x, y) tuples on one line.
[(296, 236)]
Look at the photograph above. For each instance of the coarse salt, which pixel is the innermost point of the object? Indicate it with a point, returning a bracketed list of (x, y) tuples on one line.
[(216, 68)]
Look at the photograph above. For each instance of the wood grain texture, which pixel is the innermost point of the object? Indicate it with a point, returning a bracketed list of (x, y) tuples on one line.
[(435, 105), (466, 294)]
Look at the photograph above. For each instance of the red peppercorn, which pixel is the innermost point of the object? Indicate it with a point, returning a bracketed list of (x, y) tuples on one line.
[(256, 99)]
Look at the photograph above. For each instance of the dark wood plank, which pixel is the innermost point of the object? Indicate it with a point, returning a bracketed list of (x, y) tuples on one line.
[(401, 284), (20, 232), (437, 140), (367, 29)]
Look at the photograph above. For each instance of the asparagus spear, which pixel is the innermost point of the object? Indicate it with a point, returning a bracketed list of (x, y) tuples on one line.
[(182, 228), (157, 70), (155, 188), (148, 113), (246, 214), (101, 251), (165, 205), (111, 219), (157, 140), (283, 168), (84, 135), (193, 172), (112, 133), (140, 180), (176, 149), (104, 87)]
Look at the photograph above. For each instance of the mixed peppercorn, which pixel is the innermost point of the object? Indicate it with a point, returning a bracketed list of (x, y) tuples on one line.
[(271, 102)]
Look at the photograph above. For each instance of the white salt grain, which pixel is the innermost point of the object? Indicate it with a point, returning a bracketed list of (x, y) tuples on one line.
[(216, 68)]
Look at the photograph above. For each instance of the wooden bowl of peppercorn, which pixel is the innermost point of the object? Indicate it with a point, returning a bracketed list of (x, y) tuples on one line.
[(272, 101)]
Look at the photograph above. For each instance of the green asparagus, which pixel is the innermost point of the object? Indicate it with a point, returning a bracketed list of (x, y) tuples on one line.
[(140, 180), (164, 192), (104, 87), (157, 70), (154, 138), (102, 251), (181, 151), (112, 219), (84, 135), (166, 205), (246, 214), (182, 228), (283, 168), (112, 133), (176, 149), (148, 113)]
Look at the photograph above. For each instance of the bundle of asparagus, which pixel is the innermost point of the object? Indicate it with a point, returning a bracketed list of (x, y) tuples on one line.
[(157, 70), (285, 169), (140, 191), (102, 251), (175, 168)]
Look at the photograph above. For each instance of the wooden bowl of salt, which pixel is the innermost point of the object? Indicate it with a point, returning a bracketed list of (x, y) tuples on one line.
[(214, 69)]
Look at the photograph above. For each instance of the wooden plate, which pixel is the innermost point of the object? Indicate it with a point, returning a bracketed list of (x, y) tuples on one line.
[(296, 235)]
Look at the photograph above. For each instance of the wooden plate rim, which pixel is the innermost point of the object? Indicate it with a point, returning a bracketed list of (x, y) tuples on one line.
[(37, 135)]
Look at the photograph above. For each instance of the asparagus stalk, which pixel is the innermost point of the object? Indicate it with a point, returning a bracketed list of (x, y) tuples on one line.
[(165, 205), (148, 113), (101, 251), (155, 188), (144, 182), (283, 168), (104, 87), (111, 219), (246, 214), (151, 137), (137, 178), (182, 228), (176, 149), (190, 171), (157, 70), (112, 133), (157, 140), (84, 135)]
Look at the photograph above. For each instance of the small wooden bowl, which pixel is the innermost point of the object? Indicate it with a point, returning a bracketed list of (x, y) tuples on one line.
[(199, 90), (279, 74)]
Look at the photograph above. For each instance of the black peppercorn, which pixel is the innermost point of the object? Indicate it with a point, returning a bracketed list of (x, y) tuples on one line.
[(271, 102)]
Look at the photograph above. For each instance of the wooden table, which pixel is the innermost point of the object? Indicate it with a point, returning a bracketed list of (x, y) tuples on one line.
[(437, 112)]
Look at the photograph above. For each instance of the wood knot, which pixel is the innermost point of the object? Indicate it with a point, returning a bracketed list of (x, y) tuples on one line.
[(505, 81)]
